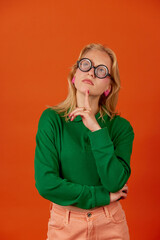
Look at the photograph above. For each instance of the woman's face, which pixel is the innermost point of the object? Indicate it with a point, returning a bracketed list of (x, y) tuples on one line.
[(97, 57)]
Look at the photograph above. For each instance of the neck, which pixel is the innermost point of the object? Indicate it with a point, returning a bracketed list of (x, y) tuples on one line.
[(93, 101)]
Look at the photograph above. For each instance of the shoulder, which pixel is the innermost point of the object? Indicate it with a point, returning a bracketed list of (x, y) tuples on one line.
[(121, 121), (121, 125), (49, 117), (49, 113)]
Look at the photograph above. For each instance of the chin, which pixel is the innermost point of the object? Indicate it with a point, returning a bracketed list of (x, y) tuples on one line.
[(83, 90)]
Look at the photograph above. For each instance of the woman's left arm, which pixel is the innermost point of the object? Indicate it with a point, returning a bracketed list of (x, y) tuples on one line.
[(113, 160)]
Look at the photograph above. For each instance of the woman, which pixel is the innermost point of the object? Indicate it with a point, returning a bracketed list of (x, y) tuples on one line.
[(83, 150)]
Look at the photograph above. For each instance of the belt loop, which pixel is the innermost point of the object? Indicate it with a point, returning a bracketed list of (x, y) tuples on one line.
[(67, 216), (107, 213)]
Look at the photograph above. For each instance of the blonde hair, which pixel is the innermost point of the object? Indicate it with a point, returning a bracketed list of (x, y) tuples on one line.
[(107, 104)]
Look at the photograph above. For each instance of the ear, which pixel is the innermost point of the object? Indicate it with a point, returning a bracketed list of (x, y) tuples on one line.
[(110, 87)]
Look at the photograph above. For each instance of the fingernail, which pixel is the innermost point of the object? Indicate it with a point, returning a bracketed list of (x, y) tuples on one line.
[(88, 91), (71, 118)]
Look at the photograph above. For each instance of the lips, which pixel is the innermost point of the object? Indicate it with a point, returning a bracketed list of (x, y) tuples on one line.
[(88, 81)]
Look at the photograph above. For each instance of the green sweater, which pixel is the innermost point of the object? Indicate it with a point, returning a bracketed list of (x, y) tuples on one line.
[(75, 166)]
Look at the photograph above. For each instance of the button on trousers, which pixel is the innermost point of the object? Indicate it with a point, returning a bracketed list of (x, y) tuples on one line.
[(105, 223)]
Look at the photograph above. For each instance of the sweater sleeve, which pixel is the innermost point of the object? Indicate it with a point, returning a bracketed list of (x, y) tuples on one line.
[(47, 177), (113, 160)]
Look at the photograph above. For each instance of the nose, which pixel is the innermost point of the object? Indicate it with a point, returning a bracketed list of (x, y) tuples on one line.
[(91, 72)]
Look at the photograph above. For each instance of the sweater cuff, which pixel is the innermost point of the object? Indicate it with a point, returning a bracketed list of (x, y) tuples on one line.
[(100, 138), (102, 196)]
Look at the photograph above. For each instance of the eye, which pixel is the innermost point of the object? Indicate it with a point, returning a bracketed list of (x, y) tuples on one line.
[(101, 71), (84, 64)]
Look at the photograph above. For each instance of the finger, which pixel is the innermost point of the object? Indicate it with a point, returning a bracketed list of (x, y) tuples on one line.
[(124, 195), (86, 100), (125, 189), (74, 111), (82, 114), (125, 186)]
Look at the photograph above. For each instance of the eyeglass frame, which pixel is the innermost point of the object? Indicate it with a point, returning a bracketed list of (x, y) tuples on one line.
[(108, 74)]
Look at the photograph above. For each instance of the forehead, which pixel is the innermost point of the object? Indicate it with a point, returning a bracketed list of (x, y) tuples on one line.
[(98, 57)]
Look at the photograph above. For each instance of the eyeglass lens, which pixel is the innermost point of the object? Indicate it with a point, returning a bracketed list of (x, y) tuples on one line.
[(100, 71)]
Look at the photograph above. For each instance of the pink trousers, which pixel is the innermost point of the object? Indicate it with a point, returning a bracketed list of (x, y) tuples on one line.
[(105, 223)]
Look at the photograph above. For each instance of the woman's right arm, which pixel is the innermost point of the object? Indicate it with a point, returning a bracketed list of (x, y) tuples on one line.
[(121, 194), (47, 178)]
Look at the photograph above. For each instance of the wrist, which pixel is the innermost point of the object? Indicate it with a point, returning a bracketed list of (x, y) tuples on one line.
[(97, 127)]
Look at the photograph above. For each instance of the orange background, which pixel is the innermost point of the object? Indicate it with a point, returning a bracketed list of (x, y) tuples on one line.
[(39, 41)]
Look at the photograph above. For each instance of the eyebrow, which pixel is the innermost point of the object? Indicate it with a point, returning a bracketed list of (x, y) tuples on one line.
[(98, 64)]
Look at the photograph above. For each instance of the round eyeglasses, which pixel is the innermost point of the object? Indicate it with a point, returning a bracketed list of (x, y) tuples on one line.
[(101, 71)]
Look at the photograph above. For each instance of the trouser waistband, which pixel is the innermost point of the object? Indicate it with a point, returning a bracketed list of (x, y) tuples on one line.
[(85, 212)]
